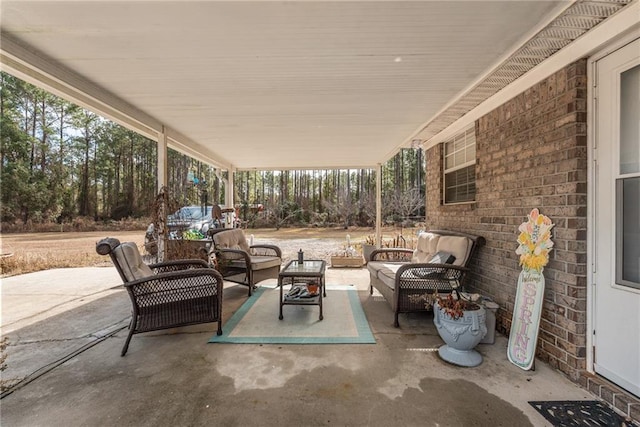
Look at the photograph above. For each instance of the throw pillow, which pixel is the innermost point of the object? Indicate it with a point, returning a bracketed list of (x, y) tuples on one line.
[(436, 273), (442, 257)]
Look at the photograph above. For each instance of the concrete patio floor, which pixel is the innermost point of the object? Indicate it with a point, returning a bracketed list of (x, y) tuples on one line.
[(66, 328)]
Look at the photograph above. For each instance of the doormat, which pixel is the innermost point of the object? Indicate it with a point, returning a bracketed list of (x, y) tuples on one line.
[(578, 413), (256, 321)]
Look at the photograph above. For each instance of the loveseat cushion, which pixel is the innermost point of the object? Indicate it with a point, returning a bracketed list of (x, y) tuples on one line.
[(458, 246), (388, 277), (426, 247), (385, 271), (130, 261)]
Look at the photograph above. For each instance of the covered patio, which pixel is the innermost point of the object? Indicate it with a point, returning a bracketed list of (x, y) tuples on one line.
[(77, 377)]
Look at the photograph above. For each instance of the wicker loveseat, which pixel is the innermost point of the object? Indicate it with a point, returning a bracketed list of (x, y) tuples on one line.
[(438, 264), (238, 262), (165, 295)]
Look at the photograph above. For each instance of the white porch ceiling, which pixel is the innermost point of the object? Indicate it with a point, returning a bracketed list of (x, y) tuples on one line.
[(266, 84)]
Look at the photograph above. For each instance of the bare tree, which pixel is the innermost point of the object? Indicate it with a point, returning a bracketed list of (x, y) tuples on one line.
[(344, 208), (401, 206), (282, 212), (367, 209)]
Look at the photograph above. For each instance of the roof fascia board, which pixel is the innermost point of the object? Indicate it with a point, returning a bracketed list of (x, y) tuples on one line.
[(41, 71), (554, 14), (185, 145), (623, 22), (559, 10), (384, 159), (407, 143), (314, 168)]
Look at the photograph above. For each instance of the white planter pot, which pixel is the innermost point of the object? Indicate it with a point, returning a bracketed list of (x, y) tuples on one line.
[(460, 335)]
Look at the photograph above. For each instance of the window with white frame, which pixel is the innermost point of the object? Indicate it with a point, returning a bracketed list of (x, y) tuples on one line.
[(460, 168)]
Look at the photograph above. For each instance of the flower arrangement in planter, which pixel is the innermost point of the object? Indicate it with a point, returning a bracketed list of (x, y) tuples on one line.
[(368, 246), (398, 242), (461, 324), (453, 304), (455, 307), (348, 257)]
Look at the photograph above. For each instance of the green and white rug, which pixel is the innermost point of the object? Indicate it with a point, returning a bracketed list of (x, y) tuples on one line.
[(256, 322)]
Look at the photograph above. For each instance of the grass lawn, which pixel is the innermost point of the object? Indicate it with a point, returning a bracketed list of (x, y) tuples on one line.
[(27, 252)]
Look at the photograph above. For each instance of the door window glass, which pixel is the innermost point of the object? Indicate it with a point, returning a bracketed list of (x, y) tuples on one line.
[(630, 121), (628, 232)]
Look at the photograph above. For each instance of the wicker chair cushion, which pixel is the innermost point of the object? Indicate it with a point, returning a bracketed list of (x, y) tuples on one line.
[(426, 247), (232, 239), (128, 256), (260, 262), (458, 246)]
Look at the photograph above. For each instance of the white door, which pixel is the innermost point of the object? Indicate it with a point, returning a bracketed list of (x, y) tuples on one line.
[(616, 294)]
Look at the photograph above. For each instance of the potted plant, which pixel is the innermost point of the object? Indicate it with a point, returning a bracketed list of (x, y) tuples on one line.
[(461, 324), (348, 257), (368, 246)]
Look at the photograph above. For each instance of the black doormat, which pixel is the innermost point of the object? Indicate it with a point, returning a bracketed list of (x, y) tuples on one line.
[(579, 413)]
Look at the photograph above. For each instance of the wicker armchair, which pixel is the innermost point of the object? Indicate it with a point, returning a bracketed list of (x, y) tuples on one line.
[(406, 277), (165, 295), (238, 262)]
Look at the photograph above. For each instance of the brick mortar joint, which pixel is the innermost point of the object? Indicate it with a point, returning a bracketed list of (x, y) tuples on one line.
[(604, 385)]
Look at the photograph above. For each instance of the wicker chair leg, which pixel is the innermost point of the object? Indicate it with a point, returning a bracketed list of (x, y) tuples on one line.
[(395, 320), (126, 343), (219, 327), (132, 327)]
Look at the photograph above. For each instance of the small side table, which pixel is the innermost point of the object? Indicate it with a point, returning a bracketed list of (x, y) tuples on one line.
[(307, 272)]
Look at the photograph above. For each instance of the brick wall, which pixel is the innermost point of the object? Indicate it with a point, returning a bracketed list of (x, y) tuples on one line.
[(531, 152)]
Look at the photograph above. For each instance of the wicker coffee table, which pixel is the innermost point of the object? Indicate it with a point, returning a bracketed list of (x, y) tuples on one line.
[(308, 273)]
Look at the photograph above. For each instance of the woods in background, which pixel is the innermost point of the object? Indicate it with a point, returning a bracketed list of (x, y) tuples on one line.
[(60, 161)]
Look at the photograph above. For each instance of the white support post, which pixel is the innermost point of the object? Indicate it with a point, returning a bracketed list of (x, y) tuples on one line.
[(379, 205), (229, 189), (162, 181), (163, 169)]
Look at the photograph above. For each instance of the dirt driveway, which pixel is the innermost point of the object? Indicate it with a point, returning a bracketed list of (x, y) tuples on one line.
[(40, 251)]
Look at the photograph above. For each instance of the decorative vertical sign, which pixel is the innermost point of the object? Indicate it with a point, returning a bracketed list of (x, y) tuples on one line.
[(534, 246)]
